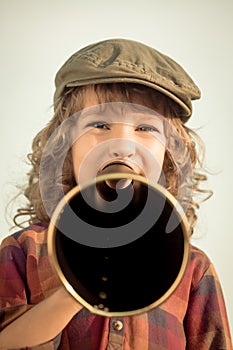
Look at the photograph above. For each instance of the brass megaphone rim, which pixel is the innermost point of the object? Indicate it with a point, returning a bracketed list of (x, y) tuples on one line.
[(97, 309)]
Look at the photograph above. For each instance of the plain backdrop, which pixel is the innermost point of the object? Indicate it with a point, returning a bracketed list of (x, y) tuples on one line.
[(38, 36)]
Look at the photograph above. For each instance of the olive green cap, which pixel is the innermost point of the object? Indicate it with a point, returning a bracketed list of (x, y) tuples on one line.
[(122, 60)]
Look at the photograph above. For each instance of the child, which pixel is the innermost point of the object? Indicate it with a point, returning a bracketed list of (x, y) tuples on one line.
[(99, 91)]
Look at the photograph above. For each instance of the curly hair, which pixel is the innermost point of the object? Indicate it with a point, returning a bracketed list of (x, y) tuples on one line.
[(72, 101)]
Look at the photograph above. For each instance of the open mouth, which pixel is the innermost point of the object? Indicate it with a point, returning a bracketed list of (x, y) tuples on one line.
[(117, 167)]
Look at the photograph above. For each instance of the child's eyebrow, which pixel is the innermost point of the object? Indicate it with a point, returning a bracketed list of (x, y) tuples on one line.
[(135, 117), (100, 111), (90, 112)]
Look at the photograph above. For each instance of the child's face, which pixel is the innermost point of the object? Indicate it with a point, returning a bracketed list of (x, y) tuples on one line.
[(118, 131)]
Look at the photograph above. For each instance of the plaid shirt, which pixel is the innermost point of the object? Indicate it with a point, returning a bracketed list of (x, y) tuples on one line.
[(193, 317)]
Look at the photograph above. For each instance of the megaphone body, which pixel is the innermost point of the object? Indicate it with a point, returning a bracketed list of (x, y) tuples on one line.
[(119, 244)]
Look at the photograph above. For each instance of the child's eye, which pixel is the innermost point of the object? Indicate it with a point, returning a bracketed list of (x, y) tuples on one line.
[(147, 128), (99, 125)]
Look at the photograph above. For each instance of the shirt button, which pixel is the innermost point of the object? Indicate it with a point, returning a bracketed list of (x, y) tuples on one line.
[(117, 325)]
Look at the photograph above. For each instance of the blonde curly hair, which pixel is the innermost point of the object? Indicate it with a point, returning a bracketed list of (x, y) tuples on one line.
[(72, 101)]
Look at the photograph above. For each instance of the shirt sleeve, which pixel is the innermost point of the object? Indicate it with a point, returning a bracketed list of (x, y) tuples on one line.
[(206, 322), (13, 287), (14, 291)]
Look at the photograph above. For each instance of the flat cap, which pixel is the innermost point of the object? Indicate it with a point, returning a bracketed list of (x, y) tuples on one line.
[(122, 60)]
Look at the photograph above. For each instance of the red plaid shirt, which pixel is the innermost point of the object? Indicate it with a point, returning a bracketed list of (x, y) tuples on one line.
[(193, 317)]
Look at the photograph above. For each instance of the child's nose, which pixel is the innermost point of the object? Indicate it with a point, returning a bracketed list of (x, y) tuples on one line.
[(122, 148)]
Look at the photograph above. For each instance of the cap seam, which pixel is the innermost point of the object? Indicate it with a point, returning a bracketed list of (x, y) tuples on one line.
[(96, 60)]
